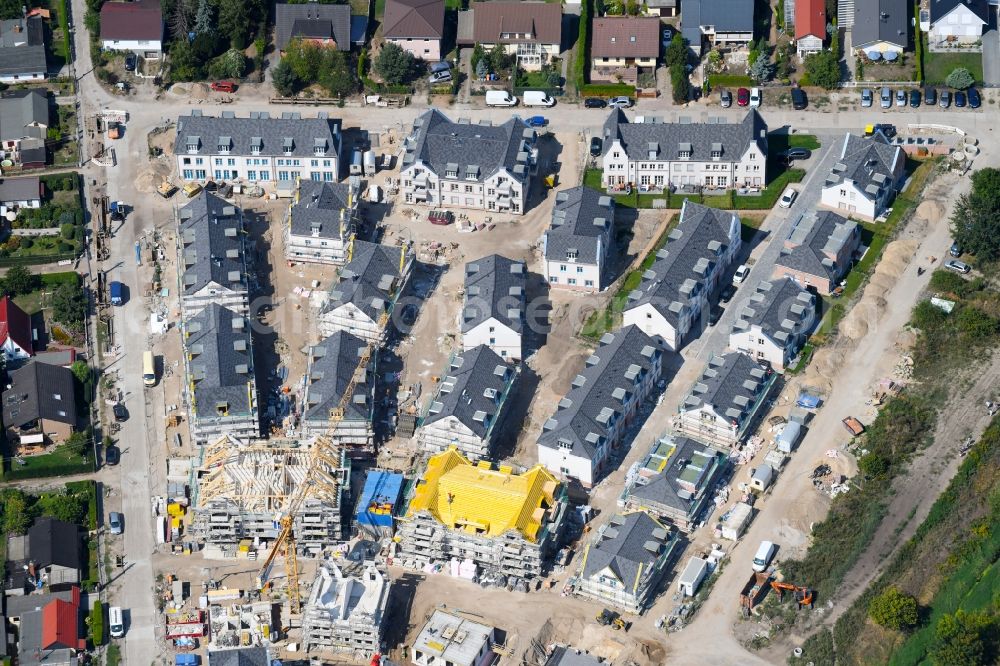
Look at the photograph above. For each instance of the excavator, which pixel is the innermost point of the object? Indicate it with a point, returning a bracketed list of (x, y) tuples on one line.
[(803, 595)]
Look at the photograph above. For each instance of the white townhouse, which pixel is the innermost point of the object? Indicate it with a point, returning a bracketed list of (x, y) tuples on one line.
[(774, 323), (865, 179), (683, 282), (723, 402), (258, 150), (493, 311), (469, 165), (954, 22), (367, 288), (321, 222), (210, 242), (594, 415), (468, 409), (576, 244), (652, 154)]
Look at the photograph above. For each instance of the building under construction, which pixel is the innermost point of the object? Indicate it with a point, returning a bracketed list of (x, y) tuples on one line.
[(242, 488), (346, 613), (483, 521)]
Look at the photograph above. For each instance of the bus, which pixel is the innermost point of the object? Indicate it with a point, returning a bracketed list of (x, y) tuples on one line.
[(148, 369)]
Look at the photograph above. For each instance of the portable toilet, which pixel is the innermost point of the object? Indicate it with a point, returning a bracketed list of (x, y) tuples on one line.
[(761, 478), (789, 437), (691, 577)]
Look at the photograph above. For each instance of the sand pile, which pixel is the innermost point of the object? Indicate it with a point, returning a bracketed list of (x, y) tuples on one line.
[(930, 210), (868, 310), (147, 181)]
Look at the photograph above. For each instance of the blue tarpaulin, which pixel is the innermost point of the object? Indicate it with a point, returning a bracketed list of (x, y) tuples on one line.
[(379, 500), (807, 400), (187, 660)]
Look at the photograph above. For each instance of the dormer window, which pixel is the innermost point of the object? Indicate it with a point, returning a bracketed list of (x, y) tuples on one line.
[(193, 143), (319, 147), (685, 154), (684, 150), (716, 151), (225, 143), (256, 144), (451, 170), (571, 254), (288, 145)]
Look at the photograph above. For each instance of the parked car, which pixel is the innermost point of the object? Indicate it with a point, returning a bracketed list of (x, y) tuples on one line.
[(112, 455), (763, 557), (223, 86), (727, 293), (120, 412), (799, 99), (594, 103), (975, 101), (131, 61), (668, 35), (885, 98), (440, 66), (116, 522), (930, 96), (787, 197), (441, 217), (866, 98), (536, 121), (955, 250), (440, 77), (793, 154), (959, 99), (957, 266), (741, 274), (620, 102), (726, 98), (945, 99), (743, 97), (914, 98), (900, 97), (596, 144), (755, 98)]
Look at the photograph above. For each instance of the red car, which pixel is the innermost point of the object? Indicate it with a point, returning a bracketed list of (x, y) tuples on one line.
[(743, 97), (224, 86), (441, 217)]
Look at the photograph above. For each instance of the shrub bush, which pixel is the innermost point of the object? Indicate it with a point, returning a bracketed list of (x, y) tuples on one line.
[(97, 622)]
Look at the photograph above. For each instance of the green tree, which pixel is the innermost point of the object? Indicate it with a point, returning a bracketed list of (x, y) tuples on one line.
[(894, 609), (81, 371), (614, 7), (680, 85), (67, 507), (204, 20), (69, 305), (477, 60), (78, 443), (336, 76), (393, 64), (960, 78), (632, 7), (677, 52), (975, 223), (284, 79), (958, 640), (19, 280), (16, 511), (184, 63), (762, 70), (823, 69), (230, 65), (874, 466), (975, 323), (499, 59), (234, 21)]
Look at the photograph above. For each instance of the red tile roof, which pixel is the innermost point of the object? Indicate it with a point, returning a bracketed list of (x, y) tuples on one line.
[(140, 20), (15, 325), (810, 19), (61, 624), (619, 37), (413, 19), (540, 21)]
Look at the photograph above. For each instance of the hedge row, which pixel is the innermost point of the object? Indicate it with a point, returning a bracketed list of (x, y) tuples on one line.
[(607, 90), (56, 279), (729, 80), (97, 623), (61, 469), (35, 260), (581, 60)]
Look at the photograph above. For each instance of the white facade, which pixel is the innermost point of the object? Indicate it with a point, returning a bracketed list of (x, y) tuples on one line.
[(572, 465), (147, 48), (673, 169), (450, 432), (499, 337), (807, 45), (259, 170), (960, 25), (13, 351), (573, 275), (500, 192), (350, 318), (655, 325)]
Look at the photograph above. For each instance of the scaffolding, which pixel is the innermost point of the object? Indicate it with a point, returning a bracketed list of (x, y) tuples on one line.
[(346, 613), (242, 488)]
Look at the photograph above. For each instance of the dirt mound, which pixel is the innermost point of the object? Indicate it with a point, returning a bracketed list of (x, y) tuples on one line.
[(147, 181), (199, 91), (930, 210)]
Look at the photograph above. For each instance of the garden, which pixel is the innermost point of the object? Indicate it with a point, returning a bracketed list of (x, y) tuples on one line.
[(53, 232)]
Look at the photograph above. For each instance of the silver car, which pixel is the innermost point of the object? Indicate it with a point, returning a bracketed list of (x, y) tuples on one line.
[(900, 97), (867, 98), (957, 266), (886, 98)]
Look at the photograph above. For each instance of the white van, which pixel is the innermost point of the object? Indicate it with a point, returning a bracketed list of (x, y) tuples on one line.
[(500, 98), (116, 622), (763, 557), (537, 98)]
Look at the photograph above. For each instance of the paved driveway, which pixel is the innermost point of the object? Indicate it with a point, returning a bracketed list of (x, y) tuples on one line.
[(991, 53)]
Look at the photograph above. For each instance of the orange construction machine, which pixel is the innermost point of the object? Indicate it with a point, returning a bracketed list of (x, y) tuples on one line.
[(803, 595)]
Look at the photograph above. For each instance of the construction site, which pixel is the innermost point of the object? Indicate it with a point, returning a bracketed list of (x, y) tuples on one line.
[(346, 612)]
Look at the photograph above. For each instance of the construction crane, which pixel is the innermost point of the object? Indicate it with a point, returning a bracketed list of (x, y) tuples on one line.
[(803, 595), (285, 542)]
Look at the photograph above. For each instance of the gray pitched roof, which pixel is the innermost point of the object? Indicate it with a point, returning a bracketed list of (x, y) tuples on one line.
[(730, 385), (211, 230), (494, 287), (20, 189), (816, 237), (413, 19), (313, 21), (52, 541), (725, 15), (629, 546), (252, 656), (474, 391), (39, 390), (881, 21), (567, 656), (581, 223), (682, 265), (779, 309), (323, 210), (941, 8), (597, 393), (665, 140), (22, 46), (474, 151), (290, 135), (18, 110), (332, 364), (868, 161), (219, 343), (685, 479), (371, 280)]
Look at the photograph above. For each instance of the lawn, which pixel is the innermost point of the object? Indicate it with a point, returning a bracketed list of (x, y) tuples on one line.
[(62, 461), (780, 142), (937, 66)]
